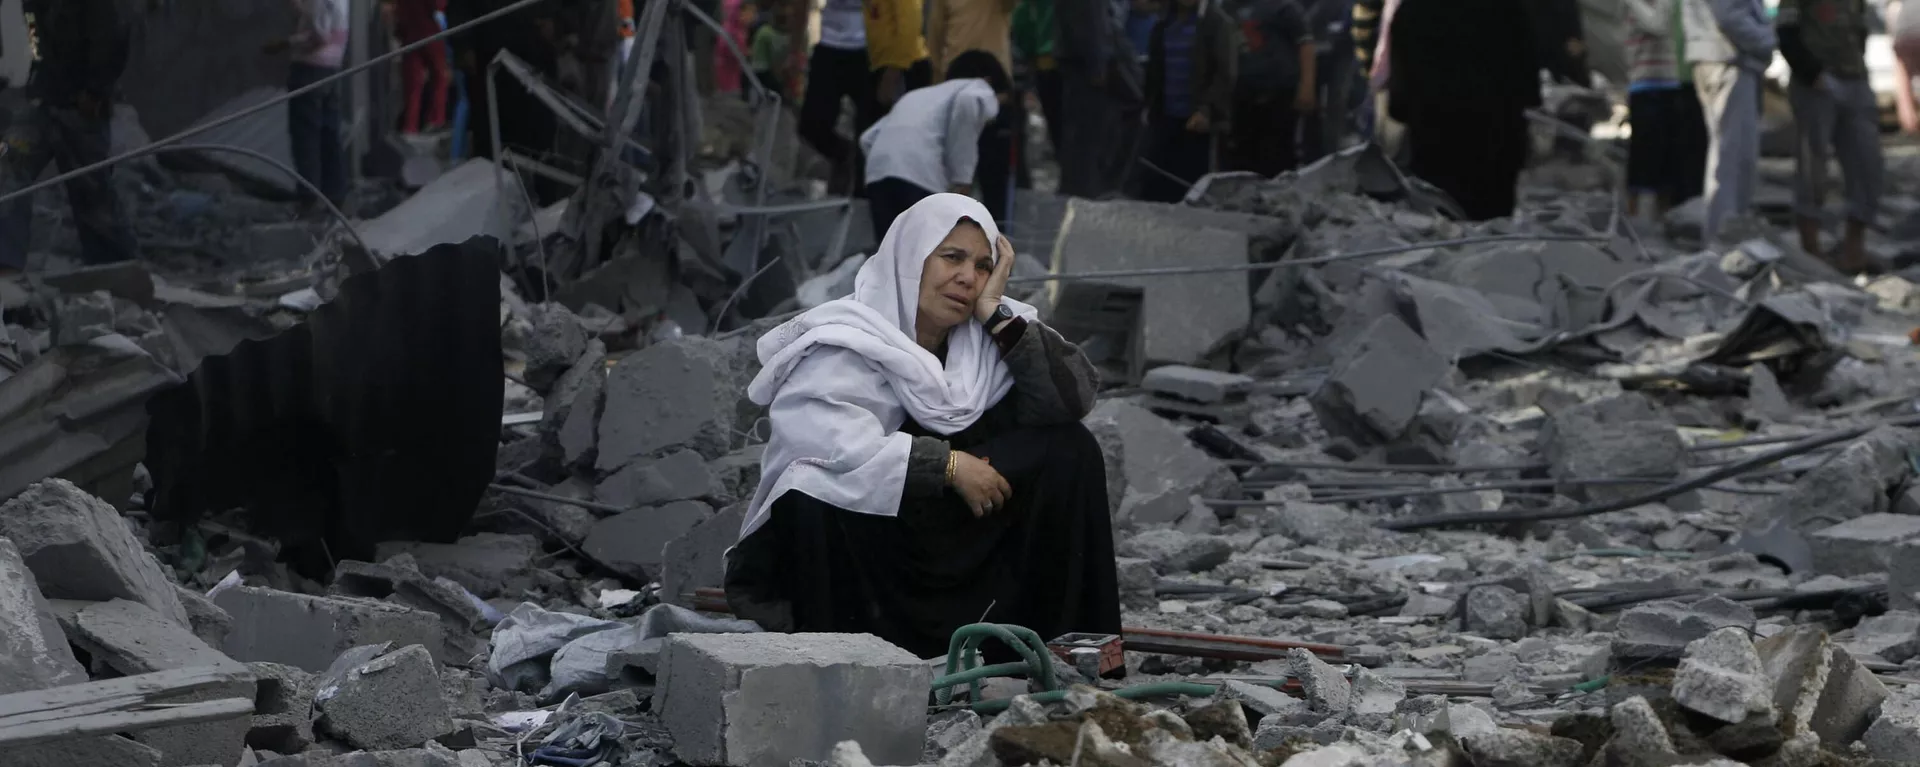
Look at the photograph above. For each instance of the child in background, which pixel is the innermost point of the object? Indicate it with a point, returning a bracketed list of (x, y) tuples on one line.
[(767, 46), (1667, 154)]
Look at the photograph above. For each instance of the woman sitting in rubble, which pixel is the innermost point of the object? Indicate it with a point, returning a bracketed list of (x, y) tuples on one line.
[(927, 467)]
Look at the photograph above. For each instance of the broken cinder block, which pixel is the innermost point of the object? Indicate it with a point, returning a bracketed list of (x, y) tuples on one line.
[(283, 709), (680, 393), (390, 702), (309, 632), (79, 547), (1621, 436), (755, 698), (481, 563), (1377, 384)]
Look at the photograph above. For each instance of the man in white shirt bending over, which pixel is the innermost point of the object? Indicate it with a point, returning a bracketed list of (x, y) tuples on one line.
[(930, 142)]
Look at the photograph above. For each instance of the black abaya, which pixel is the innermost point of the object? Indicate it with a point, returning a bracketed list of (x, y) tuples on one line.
[(1464, 74), (1044, 561)]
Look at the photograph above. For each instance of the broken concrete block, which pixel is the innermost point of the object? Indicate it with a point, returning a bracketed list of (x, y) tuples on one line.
[(586, 369), (1313, 524), (755, 698), (1797, 663), (1497, 612), (390, 702), (556, 343), (33, 651), (1327, 691), (1721, 676), (131, 639), (1661, 630), (481, 563), (697, 559), (1162, 468), (1375, 694), (282, 709), (308, 632), (1895, 735), (1864, 544), (1174, 552), (210, 623), (678, 476), (1262, 700), (473, 200), (634, 543), (1184, 317), (1893, 636), (115, 750), (1639, 737), (1621, 436), (1851, 484), (1377, 384), (1136, 581), (736, 476), (1519, 748), (577, 430), (1196, 384), (79, 547), (399, 581), (1848, 703), (673, 394)]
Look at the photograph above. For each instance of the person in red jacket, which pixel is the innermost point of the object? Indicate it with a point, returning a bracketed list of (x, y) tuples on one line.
[(426, 70)]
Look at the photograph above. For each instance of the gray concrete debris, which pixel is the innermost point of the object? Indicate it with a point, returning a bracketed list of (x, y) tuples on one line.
[(1849, 702), (1378, 383), (1638, 735), (1796, 663), (1137, 577), (1315, 524), (678, 394), (1662, 630), (1721, 676), (1261, 700), (33, 652), (1496, 612), (308, 632), (736, 476), (1622, 436), (482, 563), (1374, 694), (576, 429), (1863, 545), (399, 580), (1518, 748), (1197, 384), (1173, 552), (1893, 636), (115, 750), (209, 622), (633, 543), (753, 698), (474, 199), (697, 559), (1895, 735), (556, 342), (1851, 484), (678, 476), (283, 709), (390, 702), (1326, 689), (131, 639), (588, 368), (79, 547), (1184, 316), (1162, 470)]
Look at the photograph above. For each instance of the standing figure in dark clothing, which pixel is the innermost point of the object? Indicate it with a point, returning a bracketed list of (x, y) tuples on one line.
[(1464, 74), (1190, 63), (1324, 130), (82, 46), (927, 467), (1275, 88), (1101, 98), (527, 127)]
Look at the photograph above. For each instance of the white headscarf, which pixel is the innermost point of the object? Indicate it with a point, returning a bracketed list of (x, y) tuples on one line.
[(840, 379)]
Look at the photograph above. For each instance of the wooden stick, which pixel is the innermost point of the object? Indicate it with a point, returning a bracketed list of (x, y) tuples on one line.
[(119, 705)]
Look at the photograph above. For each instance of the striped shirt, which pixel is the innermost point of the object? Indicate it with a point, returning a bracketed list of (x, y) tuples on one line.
[(1177, 47)]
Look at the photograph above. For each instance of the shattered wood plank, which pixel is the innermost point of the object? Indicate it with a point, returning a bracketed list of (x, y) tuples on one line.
[(118, 705)]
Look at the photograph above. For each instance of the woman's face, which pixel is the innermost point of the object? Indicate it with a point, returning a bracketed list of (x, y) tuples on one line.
[(954, 275)]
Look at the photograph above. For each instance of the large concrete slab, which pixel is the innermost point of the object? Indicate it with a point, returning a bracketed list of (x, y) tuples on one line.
[(468, 201), (1185, 316), (81, 548), (1162, 468), (679, 394), (309, 632), (33, 652), (756, 700), (132, 639)]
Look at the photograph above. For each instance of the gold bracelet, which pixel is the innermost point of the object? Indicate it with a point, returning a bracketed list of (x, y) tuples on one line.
[(950, 467)]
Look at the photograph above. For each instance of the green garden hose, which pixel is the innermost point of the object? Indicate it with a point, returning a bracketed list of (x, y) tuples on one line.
[(1036, 663)]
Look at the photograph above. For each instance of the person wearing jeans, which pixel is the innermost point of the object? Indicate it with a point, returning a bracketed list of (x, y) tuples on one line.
[(1730, 43), (1835, 113), (82, 51), (319, 43)]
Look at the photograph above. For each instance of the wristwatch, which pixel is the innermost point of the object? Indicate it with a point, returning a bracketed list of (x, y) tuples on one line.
[(1002, 315)]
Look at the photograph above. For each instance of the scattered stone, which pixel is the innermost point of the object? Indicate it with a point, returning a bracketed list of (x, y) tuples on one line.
[(669, 395), (1136, 581), (1183, 317), (1497, 612), (398, 580), (480, 563), (1621, 436), (1374, 694), (1378, 383), (1661, 630), (1721, 676), (309, 632), (1638, 735), (556, 342), (1162, 470), (1172, 551), (1895, 734), (754, 698), (1326, 690), (1196, 384), (209, 622), (1223, 719), (1797, 662), (1850, 700), (634, 543), (283, 709), (1893, 636), (79, 547), (1263, 701), (33, 651), (1314, 524), (697, 559), (1519, 748), (678, 476), (1863, 545), (131, 639), (390, 702)]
